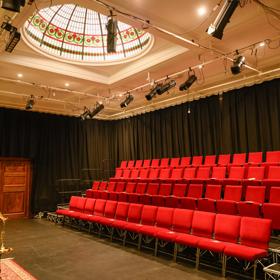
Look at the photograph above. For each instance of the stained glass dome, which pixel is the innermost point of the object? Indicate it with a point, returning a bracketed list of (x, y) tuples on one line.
[(79, 35)]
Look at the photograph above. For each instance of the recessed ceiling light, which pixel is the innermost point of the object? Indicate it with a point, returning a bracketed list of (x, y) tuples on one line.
[(200, 66), (262, 44), (19, 75), (66, 84), (201, 11)]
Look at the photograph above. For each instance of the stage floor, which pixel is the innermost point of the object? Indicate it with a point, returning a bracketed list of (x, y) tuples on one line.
[(53, 252)]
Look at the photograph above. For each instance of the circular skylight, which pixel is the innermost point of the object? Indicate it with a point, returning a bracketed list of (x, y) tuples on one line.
[(79, 35)]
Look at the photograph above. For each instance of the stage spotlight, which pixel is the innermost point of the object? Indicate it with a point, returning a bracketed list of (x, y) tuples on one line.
[(85, 114), (112, 29), (13, 40), (217, 28), (13, 5), (30, 102), (238, 63), (99, 107), (188, 83), (129, 98), (153, 92), (166, 87)]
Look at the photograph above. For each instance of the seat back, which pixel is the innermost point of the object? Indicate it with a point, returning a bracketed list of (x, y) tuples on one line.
[(95, 185), (153, 188), (130, 164), (73, 204), (164, 173), (111, 186), (119, 173), (120, 187), (103, 186), (273, 172), (255, 157), (239, 159), (210, 160), (233, 193), (89, 206), (177, 173), (227, 228), (203, 223), (110, 209), (195, 190), (224, 159), (274, 195), (182, 220), (164, 217), (255, 232), (185, 161), (164, 162), (149, 213), (197, 160), (203, 172), (134, 173), (154, 173), (99, 207), (141, 188), (155, 163), (219, 172), (138, 163), (255, 172), (273, 157), (121, 211), (81, 201), (255, 194), (164, 189), (213, 191), (174, 162), (189, 173), (144, 173), (123, 164), (134, 213), (180, 190), (146, 163), (126, 173), (236, 172), (130, 187)]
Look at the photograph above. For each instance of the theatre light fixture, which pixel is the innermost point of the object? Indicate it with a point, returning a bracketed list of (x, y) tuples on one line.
[(129, 98), (216, 29), (237, 65), (98, 108), (13, 38), (188, 83), (166, 87), (30, 102), (85, 114), (112, 29), (13, 5)]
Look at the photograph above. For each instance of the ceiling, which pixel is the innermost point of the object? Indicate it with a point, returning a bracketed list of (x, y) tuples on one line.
[(170, 57)]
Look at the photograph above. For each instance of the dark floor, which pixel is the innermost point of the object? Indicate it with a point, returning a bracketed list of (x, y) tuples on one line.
[(53, 252)]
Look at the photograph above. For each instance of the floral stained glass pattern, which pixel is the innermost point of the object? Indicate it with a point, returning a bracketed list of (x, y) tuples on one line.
[(78, 34)]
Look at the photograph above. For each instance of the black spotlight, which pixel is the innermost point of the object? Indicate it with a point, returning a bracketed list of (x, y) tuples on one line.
[(188, 83), (129, 98), (30, 102), (112, 29), (153, 92), (99, 107), (217, 28), (13, 5), (85, 114), (14, 37), (166, 87), (238, 62)]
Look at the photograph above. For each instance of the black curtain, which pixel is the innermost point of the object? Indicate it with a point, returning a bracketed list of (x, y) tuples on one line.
[(241, 120)]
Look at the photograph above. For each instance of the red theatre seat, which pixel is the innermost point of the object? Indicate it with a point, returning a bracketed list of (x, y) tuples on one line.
[(189, 174), (152, 189), (130, 188), (146, 163), (202, 175), (208, 204), (164, 163), (210, 160), (164, 192), (218, 175), (118, 175), (255, 158), (239, 159), (110, 188), (272, 158), (271, 210), (130, 164), (228, 205), (139, 191), (236, 175), (164, 174), (179, 190), (254, 199), (195, 191), (174, 162), (185, 161), (224, 160), (123, 164), (255, 175), (155, 163), (120, 187), (138, 163), (143, 175), (134, 175), (273, 177), (197, 160), (176, 175)]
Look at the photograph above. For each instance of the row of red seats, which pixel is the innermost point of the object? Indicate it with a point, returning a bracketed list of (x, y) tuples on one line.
[(244, 238), (194, 197), (253, 175), (255, 158)]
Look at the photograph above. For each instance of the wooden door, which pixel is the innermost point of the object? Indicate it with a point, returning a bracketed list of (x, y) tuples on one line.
[(15, 188)]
